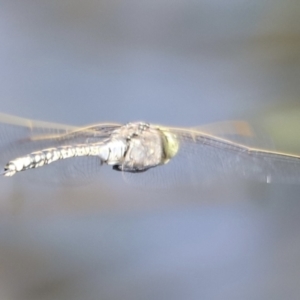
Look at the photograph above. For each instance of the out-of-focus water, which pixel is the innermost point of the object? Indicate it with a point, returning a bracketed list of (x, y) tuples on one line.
[(180, 63)]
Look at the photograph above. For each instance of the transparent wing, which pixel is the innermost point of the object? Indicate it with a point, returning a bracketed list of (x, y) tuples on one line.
[(227, 128), (19, 136), (226, 157), (203, 157)]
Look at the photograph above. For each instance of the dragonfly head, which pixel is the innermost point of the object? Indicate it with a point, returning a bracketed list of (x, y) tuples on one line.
[(170, 144)]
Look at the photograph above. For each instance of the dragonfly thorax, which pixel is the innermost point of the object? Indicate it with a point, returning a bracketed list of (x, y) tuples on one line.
[(145, 148)]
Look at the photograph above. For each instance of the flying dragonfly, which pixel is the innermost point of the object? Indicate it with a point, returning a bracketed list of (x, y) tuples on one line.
[(138, 148)]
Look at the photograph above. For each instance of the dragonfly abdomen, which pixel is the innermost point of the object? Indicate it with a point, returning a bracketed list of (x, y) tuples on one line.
[(47, 156)]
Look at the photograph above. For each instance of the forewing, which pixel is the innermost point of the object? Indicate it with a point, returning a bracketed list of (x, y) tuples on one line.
[(203, 157), (212, 156)]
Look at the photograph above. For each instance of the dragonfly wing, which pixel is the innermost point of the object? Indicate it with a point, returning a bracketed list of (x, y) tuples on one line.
[(213, 156), (19, 137), (205, 158), (227, 128)]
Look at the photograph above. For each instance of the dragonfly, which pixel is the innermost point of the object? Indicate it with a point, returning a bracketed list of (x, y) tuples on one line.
[(138, 149)]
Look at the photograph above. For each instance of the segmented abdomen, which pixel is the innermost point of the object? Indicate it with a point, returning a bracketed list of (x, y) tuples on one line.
[(47, 156)]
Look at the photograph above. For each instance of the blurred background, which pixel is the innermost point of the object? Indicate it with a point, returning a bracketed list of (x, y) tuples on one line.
[(180, 63)]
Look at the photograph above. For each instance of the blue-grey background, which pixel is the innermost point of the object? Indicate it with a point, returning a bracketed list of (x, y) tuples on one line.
[(180, 63)]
